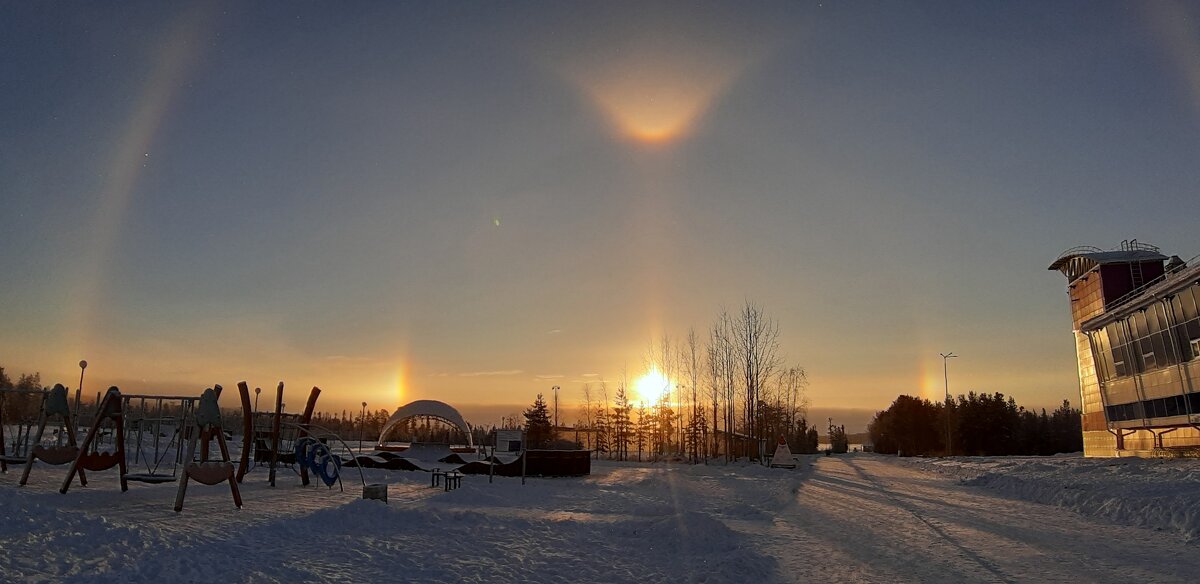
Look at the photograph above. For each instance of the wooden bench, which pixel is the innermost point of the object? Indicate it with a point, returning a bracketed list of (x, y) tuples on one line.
[(436, 477), (453, 480)]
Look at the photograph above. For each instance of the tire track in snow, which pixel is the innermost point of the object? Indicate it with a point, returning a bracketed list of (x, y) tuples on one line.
[(932, 525), (868, 519)]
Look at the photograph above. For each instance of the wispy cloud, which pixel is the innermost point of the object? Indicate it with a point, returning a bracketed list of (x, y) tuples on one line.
[(594, 381), (347, 359), (553, 331), (549, 376), (492, 373), (591, 375)]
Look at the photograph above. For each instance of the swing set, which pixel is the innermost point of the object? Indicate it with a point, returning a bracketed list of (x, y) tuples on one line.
[(191, 419), (155, 439), (140, 419), (27, 446)]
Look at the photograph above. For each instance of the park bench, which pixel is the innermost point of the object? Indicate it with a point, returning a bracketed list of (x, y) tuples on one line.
[(453, 480)]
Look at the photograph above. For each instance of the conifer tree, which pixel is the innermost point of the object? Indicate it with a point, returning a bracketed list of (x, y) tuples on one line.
[(538, 431), (643, 429), (620, 425), (600, 420)]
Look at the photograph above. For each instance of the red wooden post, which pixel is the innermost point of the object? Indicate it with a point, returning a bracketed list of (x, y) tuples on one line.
[(304, 421), (275, 431), (247, 431)]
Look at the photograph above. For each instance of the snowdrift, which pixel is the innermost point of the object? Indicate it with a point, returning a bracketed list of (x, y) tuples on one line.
[(1155, 493)]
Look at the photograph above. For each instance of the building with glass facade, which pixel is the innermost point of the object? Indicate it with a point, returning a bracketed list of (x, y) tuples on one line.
[(1137, 338)]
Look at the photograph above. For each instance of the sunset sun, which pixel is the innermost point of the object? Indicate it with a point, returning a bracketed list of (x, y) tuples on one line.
[(651, 386)]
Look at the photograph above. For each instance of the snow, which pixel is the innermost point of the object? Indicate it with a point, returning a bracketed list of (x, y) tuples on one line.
[(1155, 493), (851, 518)]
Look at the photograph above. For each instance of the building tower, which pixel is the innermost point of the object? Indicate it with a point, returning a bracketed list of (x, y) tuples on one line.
[(1137, 340)]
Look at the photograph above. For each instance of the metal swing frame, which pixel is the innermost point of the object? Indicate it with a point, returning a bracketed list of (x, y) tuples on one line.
[(152, 474)]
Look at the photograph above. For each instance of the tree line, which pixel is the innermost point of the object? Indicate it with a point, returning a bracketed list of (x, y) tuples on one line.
[(975, 424), (728, 391), (22, 407)]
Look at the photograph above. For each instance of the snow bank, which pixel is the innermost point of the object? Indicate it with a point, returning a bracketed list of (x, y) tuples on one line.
[(1155, 493), (29, 525)]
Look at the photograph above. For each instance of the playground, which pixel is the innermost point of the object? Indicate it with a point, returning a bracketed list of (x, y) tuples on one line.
[(103, 486), (177, 440), (505, 530)]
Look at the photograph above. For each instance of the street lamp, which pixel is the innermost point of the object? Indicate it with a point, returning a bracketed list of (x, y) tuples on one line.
[(946, 377), (555, 388), (362, 425), (79, 391), (257, 391)]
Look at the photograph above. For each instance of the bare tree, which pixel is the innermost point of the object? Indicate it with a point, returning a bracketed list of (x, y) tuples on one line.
[(793, 382), (666, 360), (587, 413), (661, 356), (605, 416), (723, 370), (691, 369), (713, 379), (757, 338)]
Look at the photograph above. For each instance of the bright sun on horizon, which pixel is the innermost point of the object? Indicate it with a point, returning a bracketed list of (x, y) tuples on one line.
[(651, 386)]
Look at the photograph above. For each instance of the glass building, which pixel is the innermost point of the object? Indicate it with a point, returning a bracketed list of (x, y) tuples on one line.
[(1137, 338)]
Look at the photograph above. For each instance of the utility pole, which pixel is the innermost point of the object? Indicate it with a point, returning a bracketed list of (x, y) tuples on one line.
[(946, 377)]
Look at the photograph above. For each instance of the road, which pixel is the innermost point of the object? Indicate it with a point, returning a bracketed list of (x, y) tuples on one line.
[(871, 519)]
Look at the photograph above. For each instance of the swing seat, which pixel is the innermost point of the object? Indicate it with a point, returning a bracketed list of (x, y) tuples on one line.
[(149, 478), (55, 454), (98, 461), (210, 473), (12, 459)]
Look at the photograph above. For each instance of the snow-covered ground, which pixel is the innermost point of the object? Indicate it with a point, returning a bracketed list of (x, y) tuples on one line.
[(852, 518), (1156, 493)]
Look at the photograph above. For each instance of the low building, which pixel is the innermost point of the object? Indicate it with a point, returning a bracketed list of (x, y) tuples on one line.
[(1137, 338)]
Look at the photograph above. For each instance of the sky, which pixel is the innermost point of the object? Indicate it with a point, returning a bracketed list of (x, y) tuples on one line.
[(475, 202)]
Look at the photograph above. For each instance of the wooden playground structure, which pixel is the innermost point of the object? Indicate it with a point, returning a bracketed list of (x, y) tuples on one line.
[(53, 403), (153, 439)]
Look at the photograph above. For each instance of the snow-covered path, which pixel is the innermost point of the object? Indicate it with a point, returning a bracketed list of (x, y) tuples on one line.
[(853, 518), (869, 519)]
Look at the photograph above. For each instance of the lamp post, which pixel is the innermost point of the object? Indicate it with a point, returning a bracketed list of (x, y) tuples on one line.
[(555, 388), (362, 426), (257, 391), (946, 378), (79, 391)]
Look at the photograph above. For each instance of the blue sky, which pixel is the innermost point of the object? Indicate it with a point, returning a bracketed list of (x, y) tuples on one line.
[(475, 201)]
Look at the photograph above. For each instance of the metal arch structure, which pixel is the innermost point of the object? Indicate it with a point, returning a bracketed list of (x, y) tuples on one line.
[(427, 408)]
